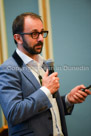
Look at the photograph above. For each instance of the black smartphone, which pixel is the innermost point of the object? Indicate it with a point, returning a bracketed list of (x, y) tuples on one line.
[(89, 87)]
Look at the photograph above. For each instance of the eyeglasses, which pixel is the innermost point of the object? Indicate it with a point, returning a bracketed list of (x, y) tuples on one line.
[(35, 35)]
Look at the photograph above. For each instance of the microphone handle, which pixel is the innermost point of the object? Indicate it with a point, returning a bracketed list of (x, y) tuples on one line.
[(51, 70)]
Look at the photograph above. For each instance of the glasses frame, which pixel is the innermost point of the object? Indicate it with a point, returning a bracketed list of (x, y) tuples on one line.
[(35, 32)]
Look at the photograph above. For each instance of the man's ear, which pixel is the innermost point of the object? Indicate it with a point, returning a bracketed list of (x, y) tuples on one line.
[(18, 38)]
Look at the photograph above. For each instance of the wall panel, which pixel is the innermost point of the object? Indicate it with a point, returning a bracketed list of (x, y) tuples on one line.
[(71, 27)]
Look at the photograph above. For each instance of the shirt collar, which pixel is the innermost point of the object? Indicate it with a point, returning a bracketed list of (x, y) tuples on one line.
[(28, 60)]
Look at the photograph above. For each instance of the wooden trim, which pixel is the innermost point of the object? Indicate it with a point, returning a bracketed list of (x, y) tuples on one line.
[(1, 55), (44, 10), (3, 37), (3, 44), (3, 128), (4, 131), (45, 27)]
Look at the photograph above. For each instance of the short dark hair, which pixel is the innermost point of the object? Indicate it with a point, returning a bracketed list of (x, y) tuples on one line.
[(18, 23)]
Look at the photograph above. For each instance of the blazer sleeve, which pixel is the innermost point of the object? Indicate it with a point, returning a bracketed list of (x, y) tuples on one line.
[(67, 109)]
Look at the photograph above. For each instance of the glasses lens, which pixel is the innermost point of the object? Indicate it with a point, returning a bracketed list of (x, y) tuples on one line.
[(45, 34), (35, 35)]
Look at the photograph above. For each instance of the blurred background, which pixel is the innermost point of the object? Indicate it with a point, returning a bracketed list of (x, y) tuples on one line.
[(69, 45)]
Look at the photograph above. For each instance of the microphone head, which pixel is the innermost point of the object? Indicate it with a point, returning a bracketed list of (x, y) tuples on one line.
[(49, 64)]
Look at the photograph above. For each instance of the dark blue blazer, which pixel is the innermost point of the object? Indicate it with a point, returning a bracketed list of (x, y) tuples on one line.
[(26, 107)]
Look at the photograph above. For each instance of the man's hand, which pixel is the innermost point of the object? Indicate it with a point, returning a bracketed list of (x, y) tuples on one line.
[(51, 81), (76, 95)]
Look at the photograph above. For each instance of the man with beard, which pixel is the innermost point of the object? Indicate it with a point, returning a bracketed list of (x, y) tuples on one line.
[(28, 103)]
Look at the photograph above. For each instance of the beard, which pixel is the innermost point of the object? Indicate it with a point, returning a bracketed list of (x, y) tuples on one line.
[(33, 50)]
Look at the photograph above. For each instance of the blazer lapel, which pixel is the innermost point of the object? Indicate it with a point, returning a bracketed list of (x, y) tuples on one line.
[(26, 71)]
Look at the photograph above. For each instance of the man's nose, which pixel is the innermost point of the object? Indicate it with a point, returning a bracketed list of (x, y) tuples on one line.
[(40, 38)]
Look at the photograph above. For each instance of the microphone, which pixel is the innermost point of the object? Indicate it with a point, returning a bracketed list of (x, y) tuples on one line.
[(49, 64)]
